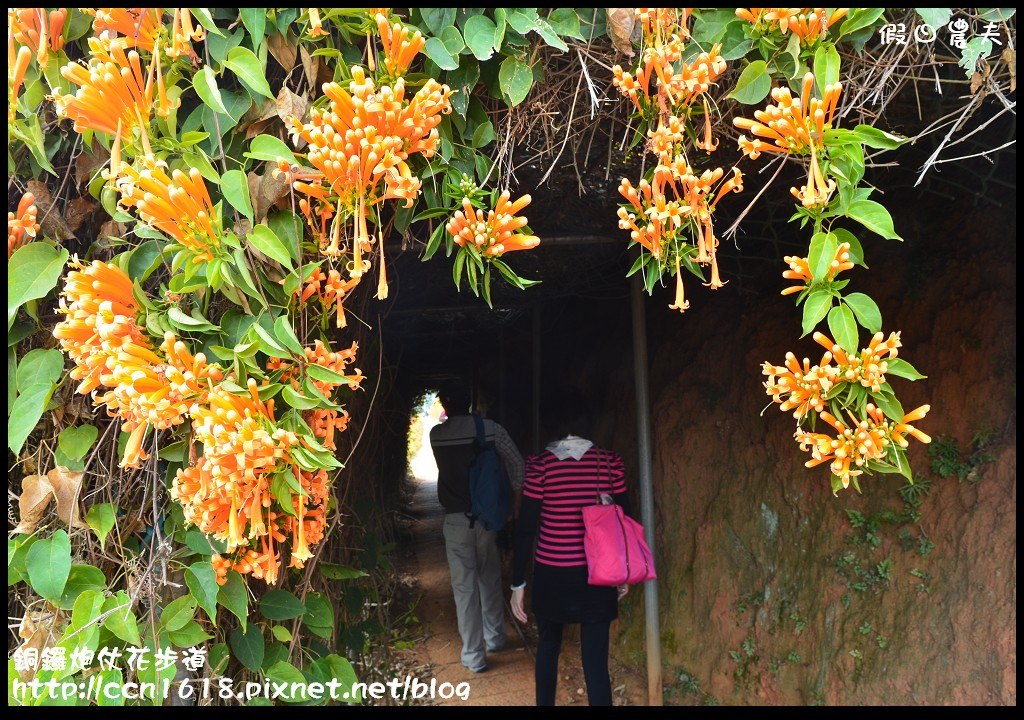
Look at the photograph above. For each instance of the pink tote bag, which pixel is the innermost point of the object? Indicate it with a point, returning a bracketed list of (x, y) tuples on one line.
[(617, 553)]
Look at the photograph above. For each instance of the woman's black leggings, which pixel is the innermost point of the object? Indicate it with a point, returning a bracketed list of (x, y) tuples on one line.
[(593, 647)]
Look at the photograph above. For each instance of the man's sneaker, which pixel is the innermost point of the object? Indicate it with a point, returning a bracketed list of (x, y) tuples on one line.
[(482, 668)]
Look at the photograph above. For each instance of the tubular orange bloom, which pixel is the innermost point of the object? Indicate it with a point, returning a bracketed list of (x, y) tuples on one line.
[(183, 31), (802, 387), (681, 303), (497, 232), (16, 75), (808, 24), (400, 49), (39, 31), (316, 27), (21, 225), (177, 205), (112, 88), (794, 127), (131, 27), (800, 269)]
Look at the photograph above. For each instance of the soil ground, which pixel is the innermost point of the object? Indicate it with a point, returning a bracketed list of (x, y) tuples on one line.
[(509, 679)]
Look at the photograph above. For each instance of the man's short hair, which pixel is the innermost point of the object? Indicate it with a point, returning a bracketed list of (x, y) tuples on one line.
[(454, 395)]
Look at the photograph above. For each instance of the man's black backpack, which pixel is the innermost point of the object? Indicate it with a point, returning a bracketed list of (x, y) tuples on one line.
[(489, 493)]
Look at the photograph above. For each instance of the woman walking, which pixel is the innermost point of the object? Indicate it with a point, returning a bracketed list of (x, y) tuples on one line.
[(567, 476)]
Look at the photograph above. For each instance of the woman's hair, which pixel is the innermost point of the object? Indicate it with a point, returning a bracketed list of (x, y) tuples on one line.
[(568, 413), (454, 396)]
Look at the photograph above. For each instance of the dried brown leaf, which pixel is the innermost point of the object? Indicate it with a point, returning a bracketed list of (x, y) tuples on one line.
[(290, 105), (282, 50), (51, 221), (36, 494), (1009, 56), (67, 485), (620, 29)]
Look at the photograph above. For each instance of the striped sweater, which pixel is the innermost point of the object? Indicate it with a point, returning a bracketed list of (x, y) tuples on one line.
[(554, 494)]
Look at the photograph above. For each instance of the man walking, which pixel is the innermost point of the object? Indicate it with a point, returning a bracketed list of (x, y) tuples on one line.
[(473, 556)]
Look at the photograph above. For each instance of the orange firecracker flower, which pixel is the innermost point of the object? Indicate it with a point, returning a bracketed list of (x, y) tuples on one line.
[(113, 90), (496, 233), (870, 366), (801, 387), (175, 203), (21, 225), (800, 269), (39, 31), (400, 48), (808, 24), (131, 27), (795, 127)]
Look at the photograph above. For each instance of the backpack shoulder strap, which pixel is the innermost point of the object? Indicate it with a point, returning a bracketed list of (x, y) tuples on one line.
[(481, 436)]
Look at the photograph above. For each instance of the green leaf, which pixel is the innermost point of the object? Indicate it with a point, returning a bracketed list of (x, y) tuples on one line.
[(437, 51), (284, 673), (283, 331), (297, 400), (976, 48), (826, 66), (234, 597), (281, 605), (331, 571), (235, 187), (199, 542), (453, 42), (860, 18), (247, 67), (822, 253), (889, 405), (483, 135), (255, 21), (40, 367), (319, 611), (288, 227), (901, 368), (815, 309), (878, 139), (201, 579), (270, 148), (80, 579), (110, 688), (191, 635), (119, 618), (205, 83), (843, 327), (319, 372), (248, 647), (206, 20), (178, 612), (479, 34), (101, 519), (874, 217), (76, 441), (32, 272), (936, 17), (866, 311), (25, 413), (437, 19), (336, 668), (566, 22), (753, 85), (268, 343), (190, 323), (48, 564), (281, 633), (515, 78), (267, 242)]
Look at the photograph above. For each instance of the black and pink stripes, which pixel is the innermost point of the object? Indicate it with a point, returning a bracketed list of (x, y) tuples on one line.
[(563, 488)]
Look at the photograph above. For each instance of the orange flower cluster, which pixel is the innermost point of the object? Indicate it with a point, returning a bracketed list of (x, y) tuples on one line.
[(795, 128), (17, 66), (800, 269), (308, 523), (21, 225), (102, 336), (113, 92), (330, 289), (670, 215), (39, 31), (227, 492), (664, 35), (674, 201), (134, 27), (324, 422), (495, 234), (176, 204), (360, 146), (804, 387), (859, 443), (808, 24), (400, 49)]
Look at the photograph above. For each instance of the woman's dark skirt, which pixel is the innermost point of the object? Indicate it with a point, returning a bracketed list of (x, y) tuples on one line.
[(563, 595)]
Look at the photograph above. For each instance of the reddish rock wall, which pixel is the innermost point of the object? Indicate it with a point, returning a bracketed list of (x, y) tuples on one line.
[(772, 591)]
